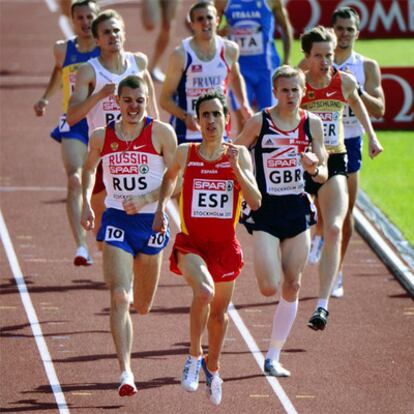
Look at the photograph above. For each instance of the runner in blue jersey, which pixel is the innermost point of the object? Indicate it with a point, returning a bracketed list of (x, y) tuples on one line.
[(251, 24), (69, 55)]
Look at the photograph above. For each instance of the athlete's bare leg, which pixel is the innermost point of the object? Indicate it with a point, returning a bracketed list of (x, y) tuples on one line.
[(333, 202), (73, 156), (147, 270), (117, 265), (218, 322), (98, 207), (195, 271)]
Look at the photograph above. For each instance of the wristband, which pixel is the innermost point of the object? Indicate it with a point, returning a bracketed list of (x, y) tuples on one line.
[(316, 173)]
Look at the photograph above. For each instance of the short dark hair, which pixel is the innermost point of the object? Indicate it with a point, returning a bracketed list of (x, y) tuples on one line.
[(133, 82), (346, 13), (104, 16), (213, 94), (316, 35), (200, 5), (80, 3)]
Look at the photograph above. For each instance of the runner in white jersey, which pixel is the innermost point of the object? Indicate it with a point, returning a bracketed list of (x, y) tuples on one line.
[(135, 151), (96, 83), (201, 63), (345, 21)]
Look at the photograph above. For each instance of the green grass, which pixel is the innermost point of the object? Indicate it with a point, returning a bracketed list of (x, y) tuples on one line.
[(389, 179)]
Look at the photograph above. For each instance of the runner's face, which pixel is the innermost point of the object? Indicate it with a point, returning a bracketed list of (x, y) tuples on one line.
[(346, 32), (204, 24), (320, 58), (111, 35), (82, 20), (132, 103), (288, 92), (212, 120)]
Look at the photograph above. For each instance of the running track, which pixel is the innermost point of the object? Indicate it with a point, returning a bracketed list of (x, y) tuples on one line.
[(56, 350)]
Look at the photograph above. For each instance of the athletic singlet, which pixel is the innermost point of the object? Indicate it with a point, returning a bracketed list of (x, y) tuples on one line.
[(73, 59), (131, 168), (328, 103), (355, 65), (252, 28), (276, 156), (107, 110), (199, 77), (210, 198)]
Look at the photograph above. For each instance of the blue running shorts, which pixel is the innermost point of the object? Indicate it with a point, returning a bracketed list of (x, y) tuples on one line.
[(354, 150), (78, 131), (132, 233)]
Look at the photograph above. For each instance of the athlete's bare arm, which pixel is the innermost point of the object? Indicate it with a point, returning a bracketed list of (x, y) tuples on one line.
[(55, 81), (82, 99), (250, 131), (241, 163), (316, 161), (168, 185), (165, 143), (88, 176), (349, 89), (282, 19), (373, 97), (236, 80)]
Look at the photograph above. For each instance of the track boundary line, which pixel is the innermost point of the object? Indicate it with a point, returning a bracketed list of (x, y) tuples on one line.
[(32, 317)]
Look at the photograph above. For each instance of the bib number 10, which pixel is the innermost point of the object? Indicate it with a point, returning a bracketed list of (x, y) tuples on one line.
[(156, 240)]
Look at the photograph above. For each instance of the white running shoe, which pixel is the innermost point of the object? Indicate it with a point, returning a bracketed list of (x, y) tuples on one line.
[(315, 250), (214, 385), (275, 369), (157, 75), (338, 289), (82, 257), (127, 387), (191, 374)]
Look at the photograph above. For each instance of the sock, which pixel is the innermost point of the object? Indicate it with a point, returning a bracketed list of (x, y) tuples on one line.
[(285, 315), (322, 303)]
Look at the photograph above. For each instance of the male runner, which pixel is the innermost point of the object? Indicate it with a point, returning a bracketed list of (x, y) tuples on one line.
[(279, 139), (327, 92), (69, 55), (206, 251), (202, 62), (135, 151)]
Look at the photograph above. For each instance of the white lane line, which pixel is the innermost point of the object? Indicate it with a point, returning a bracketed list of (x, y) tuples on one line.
[(65, 26), (246, 335), (32, 317), (52, 5)]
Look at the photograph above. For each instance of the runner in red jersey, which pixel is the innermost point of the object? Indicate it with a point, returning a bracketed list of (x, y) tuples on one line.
[(206, 252)]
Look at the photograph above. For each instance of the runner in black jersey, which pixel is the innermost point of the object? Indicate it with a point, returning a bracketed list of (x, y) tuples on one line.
[(284, 141)]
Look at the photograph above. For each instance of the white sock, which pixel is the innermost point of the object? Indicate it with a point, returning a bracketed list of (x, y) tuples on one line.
[(322, 303), (285, 315)]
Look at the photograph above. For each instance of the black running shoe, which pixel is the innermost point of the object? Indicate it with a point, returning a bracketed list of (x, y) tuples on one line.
[(319, 319)]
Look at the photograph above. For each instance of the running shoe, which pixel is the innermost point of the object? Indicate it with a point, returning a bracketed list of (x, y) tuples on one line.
[(82, 257), (127, 387), (315, 250), (191, 374), (157, 75), (214, 385), (275, 369), (338, 289), (319, 319)]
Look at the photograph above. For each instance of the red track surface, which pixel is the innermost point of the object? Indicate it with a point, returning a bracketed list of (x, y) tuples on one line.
[(362, 363)]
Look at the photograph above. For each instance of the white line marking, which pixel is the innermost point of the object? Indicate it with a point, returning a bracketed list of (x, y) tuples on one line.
[(248, 338), (65, 26), (32, 317), (52, 5)]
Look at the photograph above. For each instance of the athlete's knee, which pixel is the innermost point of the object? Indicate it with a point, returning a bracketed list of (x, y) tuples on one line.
[(291, 287), (74, 182), (333, 232), (204, 294), (219, 317), (119, 298)]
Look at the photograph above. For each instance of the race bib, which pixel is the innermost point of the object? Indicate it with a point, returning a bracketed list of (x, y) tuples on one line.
[(249, 39), (330, 128), (114, 234), (212, 199), (63, 125), (156, 240)]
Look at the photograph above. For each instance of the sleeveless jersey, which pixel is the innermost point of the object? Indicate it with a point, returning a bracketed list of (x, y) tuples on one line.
[(107, 110), (73, 59), (276, 156), (328, 103), (199, 77), (130, 168), (210, 199), (355, 65), (252, 28)]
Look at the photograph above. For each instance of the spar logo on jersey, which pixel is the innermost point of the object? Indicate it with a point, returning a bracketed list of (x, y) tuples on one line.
[(213, 185), (110, 104), (196, 68), (328, 116), (282, 158)]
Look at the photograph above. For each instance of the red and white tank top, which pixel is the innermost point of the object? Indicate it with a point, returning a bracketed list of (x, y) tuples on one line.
[(210, 199), (130, 168)]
